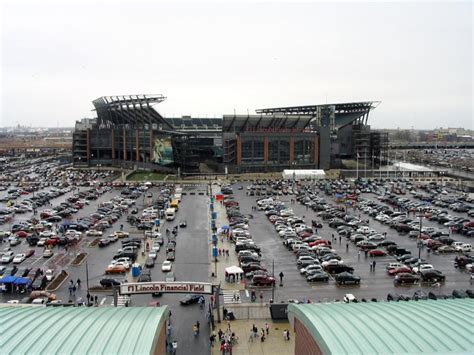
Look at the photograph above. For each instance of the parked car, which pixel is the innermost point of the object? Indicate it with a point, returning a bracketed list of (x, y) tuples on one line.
[(319, 276), (150, 262), (263, 280), (48, 253), (432, 275), (19, 258), (115, 269), (377, 252), (107, 282), (8, 257), (406, 278), (347, 278)]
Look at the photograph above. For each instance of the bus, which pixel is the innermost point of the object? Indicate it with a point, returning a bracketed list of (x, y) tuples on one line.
[(170, 214)]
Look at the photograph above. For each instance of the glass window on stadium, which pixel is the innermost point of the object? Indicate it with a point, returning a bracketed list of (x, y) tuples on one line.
[(279, 151), (273, 151), (284, 151), (252, 152), (258, 148), (303, 150), (247, 147)]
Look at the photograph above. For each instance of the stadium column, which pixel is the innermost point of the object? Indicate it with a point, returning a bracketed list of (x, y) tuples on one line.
[(124, 144), (316, 151), (292, 149), (137, 146), (239, 149), (112, 132), (151, 145), (88, 147), (265, 150)]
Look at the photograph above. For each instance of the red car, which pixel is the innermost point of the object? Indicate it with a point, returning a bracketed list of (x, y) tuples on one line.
[(22, 234), (377, 252), (320, 242), (52, 240), (393, 272), (263, 280), (29, 252)]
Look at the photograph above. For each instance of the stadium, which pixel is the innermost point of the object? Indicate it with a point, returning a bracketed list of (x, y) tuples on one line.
[(129, 132)]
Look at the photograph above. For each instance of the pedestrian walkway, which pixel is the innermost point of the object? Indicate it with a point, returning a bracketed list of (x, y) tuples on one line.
[(274, 343), (122, 301), (232, 296), (224, 243)]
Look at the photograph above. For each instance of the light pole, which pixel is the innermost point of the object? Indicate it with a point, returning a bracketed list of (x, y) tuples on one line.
[(273, 275)]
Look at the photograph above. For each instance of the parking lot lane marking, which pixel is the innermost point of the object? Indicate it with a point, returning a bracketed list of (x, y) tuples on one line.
[(247, 293), (103, 301)]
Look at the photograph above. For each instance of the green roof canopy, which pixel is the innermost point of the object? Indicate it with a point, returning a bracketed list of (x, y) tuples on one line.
[(423, 327), (80, 330)]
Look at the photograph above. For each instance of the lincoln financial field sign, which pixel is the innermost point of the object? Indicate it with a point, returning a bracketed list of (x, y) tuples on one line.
[(170, 287)]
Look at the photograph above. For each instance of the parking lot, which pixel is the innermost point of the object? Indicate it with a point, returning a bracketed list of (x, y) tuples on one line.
[(374, 284), (363, 208)]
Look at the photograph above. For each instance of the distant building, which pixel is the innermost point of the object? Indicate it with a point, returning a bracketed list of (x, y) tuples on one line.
[(129, 132)]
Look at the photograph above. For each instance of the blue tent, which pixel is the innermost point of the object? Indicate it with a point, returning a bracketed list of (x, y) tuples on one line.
[(22, 281), (8, 280)]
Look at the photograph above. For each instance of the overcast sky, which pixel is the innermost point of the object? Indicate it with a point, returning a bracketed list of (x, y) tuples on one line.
[(209, 59)]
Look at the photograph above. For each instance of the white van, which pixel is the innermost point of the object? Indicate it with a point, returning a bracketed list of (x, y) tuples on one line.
[(170, 214)]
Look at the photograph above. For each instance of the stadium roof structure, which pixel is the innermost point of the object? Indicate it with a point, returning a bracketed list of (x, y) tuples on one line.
[(344, 113), (80, 330), (418, 327), (129, 110), (240, 123), (192, 124)]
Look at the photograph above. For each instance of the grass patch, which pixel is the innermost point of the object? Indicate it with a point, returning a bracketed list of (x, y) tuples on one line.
[(146, 176)]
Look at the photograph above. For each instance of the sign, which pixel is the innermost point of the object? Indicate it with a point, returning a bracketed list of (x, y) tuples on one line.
[(165, 287)]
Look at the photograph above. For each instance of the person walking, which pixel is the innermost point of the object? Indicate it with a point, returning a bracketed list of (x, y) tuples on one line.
[(212, 339), (261, 296), (281, 278), (347, 247), (78, 283), (358, 255), (262, 335), (373, 265), (267, 328)]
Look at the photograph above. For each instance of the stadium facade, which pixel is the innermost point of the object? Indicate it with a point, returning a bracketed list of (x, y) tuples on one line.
[(128, 132)]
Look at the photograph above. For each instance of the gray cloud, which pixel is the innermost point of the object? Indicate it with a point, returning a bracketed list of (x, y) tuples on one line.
[(210, 59)]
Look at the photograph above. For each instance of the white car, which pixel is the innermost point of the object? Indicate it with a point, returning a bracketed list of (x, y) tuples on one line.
[(422, 267), (8, 257), (465, 248), (41, 242), (46, 234), (49, 274), (94, 233), (19, 258), (166, 266), (332, 262), (304, 270), (155, 247), (153, 254), (126, 262)]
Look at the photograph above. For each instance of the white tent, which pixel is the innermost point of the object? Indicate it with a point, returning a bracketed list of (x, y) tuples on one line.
[(233, 270), (303, 174)]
